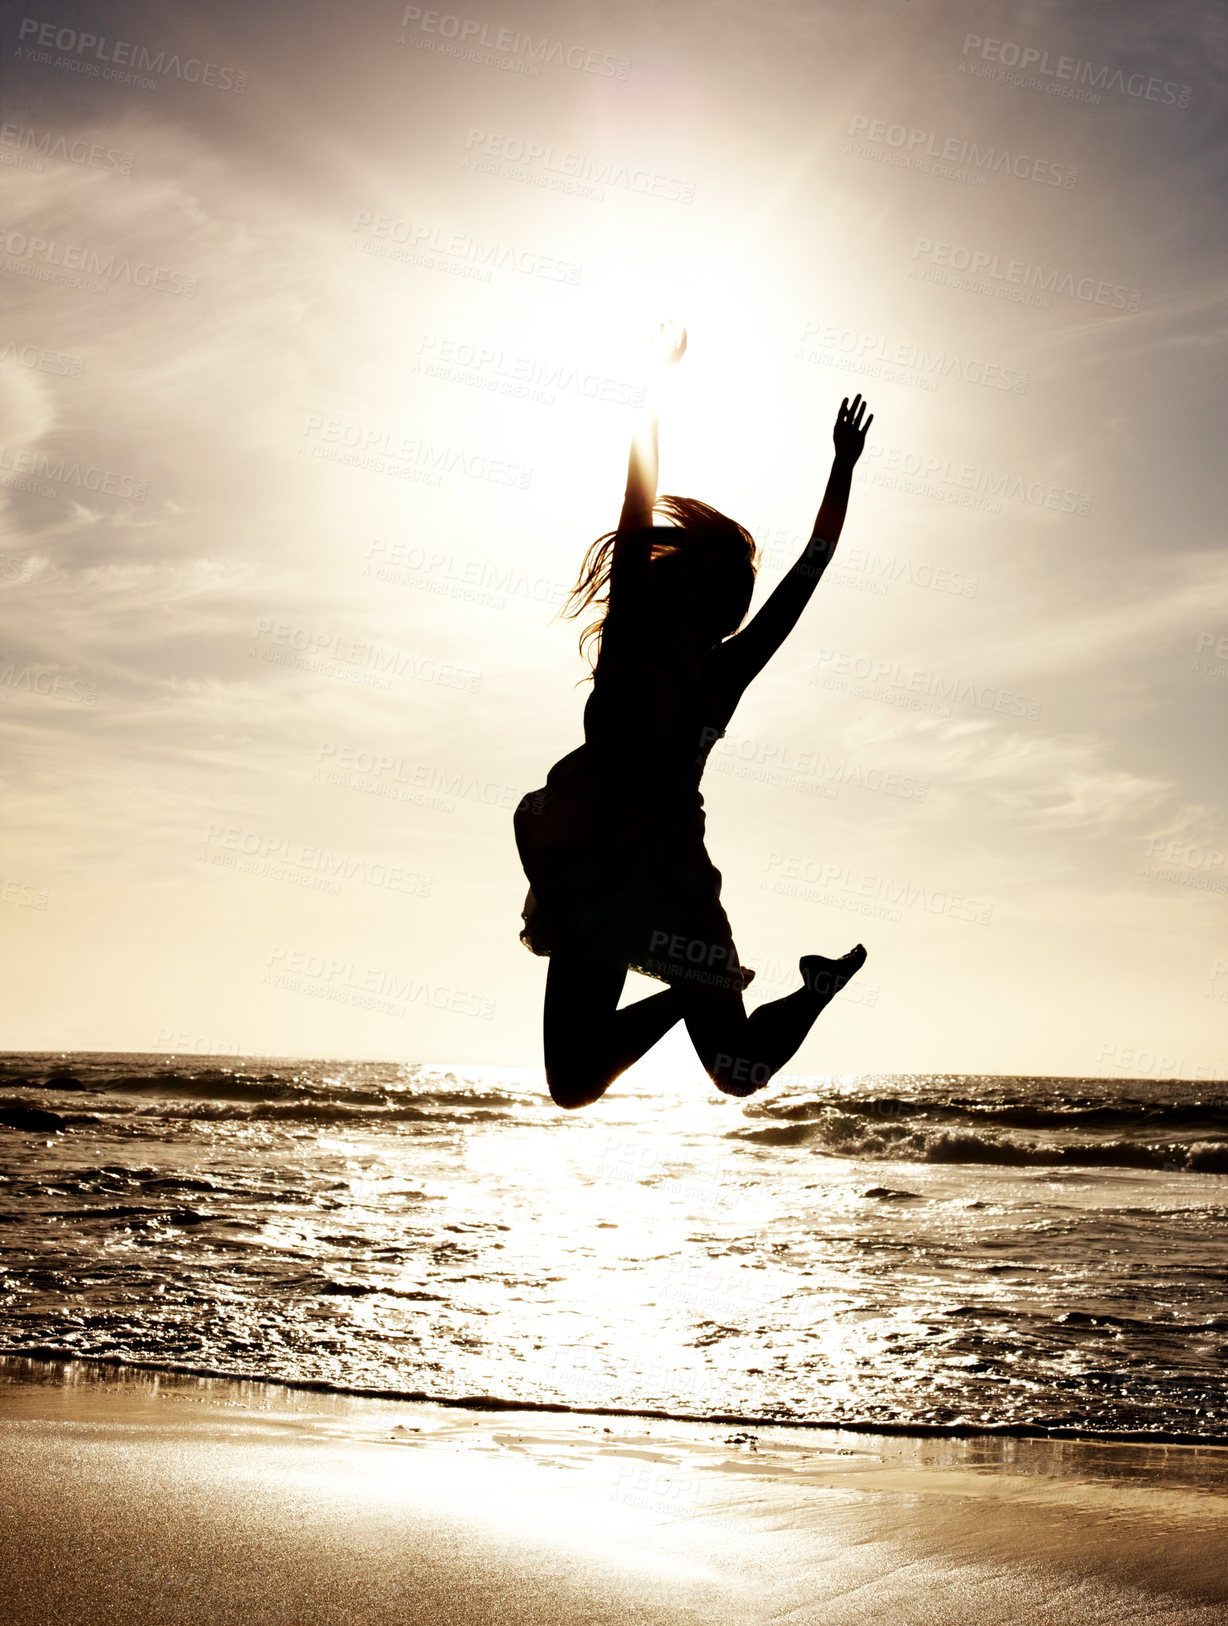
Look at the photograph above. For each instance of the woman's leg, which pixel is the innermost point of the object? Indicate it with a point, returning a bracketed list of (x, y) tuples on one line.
[(742, 1052), (588, 1041)]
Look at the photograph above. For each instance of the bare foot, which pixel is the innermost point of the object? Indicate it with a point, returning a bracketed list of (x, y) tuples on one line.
[(828, 977), (727, 1087)]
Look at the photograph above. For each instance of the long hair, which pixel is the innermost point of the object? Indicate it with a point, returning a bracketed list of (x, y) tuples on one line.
[(703, 534)]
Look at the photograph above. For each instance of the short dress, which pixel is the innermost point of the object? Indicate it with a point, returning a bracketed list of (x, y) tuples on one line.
[(613, 843)]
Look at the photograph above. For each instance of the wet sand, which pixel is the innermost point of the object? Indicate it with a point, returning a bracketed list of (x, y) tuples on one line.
[(135, 1499)]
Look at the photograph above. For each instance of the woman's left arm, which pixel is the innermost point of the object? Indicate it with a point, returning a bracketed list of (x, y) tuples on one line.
[(642, 464), (629, 564), (752, 648)]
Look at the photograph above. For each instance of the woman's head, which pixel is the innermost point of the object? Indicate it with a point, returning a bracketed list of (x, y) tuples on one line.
[(706, 564), (703, 570)]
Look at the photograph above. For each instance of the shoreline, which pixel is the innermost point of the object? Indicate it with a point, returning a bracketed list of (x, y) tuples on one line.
[(48, 1355), (142, 1497)]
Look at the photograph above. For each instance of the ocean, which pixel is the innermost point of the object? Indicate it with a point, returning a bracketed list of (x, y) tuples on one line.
[(929, 1254)]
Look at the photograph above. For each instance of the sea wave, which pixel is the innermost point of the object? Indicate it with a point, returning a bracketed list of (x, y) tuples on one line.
[(1207, 1115), (846, 1135), (447, 1230), (88, 1095), (336, 1113)]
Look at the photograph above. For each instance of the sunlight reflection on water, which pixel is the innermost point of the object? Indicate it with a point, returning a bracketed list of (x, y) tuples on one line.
[(930, 1250)]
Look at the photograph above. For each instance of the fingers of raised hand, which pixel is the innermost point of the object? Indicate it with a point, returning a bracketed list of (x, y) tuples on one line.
[(670, 343), (850, 417)]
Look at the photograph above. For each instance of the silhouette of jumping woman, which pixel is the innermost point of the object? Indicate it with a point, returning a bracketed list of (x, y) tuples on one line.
[(613, 843)]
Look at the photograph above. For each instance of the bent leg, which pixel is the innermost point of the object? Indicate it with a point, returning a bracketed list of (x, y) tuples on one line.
[(740, 1052), (587, 1040)]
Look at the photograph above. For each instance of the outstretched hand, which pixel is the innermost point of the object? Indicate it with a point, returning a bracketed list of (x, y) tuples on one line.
[(849, 434), (668, 345)]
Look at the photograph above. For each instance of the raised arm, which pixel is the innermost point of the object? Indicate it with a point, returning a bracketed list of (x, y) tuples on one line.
[(668, 351), (751, 649), (629, 567)]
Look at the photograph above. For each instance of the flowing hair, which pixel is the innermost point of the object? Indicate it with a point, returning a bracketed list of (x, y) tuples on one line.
[(697, 526)]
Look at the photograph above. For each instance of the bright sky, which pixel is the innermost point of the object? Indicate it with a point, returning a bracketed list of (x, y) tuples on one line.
[(317, 389)]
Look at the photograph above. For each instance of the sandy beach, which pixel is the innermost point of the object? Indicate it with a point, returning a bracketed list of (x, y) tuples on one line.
[(134, 1497)]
